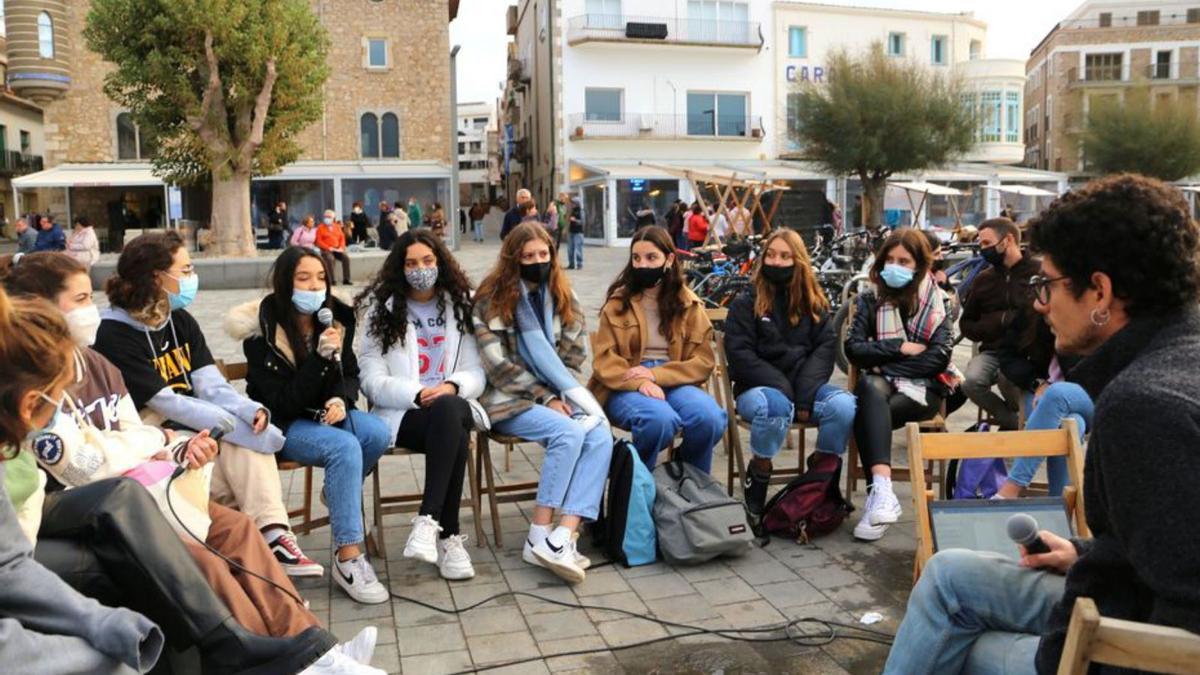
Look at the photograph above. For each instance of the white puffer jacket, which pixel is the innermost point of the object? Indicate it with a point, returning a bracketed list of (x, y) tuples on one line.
[(392, 381)]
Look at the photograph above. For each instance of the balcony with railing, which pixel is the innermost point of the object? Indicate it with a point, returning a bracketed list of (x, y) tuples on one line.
[(13, 163), (653, 126), (671, 30)]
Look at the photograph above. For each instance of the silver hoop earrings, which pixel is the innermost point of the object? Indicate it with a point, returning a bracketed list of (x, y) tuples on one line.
[(1100, 317)]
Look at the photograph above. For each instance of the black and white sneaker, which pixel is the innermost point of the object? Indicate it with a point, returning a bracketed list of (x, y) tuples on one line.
[(357, 578), (293, 561), (560, 560)]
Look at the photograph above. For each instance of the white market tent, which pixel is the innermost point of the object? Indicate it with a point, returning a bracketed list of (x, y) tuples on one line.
[(1022, 190)]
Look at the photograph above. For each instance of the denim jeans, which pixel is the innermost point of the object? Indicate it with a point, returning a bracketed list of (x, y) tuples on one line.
[(575, 250), (576, 464), (654, 423), (770, 412), (477, 226), (1060, 401), (974, 613), (347, 458)]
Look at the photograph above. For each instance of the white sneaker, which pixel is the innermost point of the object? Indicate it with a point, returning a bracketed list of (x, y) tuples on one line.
[(422, 541), (866, 531), (559, 560), (581, 560), (334, 662), (882, 505), (536, 533), (357, 578), (453, 561), (362, 647)]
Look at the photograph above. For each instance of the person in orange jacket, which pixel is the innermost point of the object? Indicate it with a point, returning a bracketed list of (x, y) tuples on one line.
[(331, 239)]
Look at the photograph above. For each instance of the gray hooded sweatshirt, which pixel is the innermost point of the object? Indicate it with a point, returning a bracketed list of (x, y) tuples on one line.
[(47, 628)]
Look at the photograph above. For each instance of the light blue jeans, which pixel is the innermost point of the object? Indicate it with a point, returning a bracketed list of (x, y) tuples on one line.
[(478, 227), (576, 464), (1061, 400), (769, 412), (977, 613), (654, 423), (575, 250), (347, 458)]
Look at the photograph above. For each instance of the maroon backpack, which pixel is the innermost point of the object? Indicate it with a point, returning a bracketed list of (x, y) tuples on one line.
[(811, 504)]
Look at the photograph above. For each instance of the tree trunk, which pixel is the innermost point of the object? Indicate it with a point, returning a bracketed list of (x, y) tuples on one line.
[(874, 190), (232, 233)]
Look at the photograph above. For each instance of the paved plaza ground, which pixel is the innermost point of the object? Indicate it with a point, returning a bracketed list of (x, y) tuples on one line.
[(834, 578)]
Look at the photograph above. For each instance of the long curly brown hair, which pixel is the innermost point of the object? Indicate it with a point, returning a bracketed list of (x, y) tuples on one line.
[(500, 287), (805, 295), (391, 326), (670, 293)]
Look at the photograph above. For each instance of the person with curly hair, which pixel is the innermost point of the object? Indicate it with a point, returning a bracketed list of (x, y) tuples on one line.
[(422, 374), (1119, 284), (531, 335)]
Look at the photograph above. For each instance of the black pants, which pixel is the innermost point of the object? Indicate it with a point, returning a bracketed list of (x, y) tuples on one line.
[(442, 432), (881, 410), (329, 257), (109, 541)]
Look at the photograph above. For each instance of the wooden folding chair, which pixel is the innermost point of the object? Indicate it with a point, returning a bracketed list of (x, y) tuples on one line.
[(1125, 644), (854, 470), (237, 371), (498, 494), (926, 447), (723, 391)]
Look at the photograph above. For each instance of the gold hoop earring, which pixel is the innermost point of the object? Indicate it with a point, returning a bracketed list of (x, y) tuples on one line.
[(1100, 317)]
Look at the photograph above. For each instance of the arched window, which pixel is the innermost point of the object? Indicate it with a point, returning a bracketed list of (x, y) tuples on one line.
[(127, 141), (369, 131), (390, 133), (45, 36)]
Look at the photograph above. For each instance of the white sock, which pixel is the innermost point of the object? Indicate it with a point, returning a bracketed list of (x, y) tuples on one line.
[(559, 537), (274, 533), (538, 533)]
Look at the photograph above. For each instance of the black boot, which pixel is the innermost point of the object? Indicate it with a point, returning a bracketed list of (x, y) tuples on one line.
[(754, 491), (230, 649)]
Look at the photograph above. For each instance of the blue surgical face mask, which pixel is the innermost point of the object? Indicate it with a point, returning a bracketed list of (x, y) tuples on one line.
[(307, 302), (52, 422), (896, 276), (187, 291)]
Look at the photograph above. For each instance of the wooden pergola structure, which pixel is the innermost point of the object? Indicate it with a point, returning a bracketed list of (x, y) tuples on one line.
[(743, 187)]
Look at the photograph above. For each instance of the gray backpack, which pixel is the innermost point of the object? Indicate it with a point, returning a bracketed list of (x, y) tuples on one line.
[(696, 521)]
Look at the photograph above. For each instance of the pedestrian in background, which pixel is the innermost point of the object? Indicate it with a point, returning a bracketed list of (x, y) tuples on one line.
[(360, 224), (26, 237), (513, 217), (414, 213), (575, 224), (51, 237), (277, 223), (331, 239), (83, 245), (477, 214)]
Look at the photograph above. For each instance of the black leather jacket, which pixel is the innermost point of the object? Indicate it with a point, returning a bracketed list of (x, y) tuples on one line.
[(883, 356)]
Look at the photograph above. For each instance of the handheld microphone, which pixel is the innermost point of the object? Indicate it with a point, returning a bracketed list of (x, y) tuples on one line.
[(1023, 529), (325, 317), (217, 432)]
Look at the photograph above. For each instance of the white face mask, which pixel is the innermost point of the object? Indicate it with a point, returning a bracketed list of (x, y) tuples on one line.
[(83, 322)]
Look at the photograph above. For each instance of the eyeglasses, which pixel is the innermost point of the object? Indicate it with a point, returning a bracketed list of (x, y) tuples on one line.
[(1041, 287)]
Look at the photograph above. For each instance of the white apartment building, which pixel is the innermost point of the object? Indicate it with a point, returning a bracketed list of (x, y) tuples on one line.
[(475, 120), (612, 99)]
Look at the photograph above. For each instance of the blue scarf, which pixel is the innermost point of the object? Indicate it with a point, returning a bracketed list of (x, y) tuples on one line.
[(535, 344)]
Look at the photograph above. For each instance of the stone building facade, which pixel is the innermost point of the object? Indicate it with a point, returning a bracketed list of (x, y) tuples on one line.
[(385, 132), (1100, 51)]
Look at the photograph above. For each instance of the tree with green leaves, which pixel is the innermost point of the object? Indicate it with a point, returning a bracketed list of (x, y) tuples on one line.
[(222, 86), (1142, 134), (878, 115)]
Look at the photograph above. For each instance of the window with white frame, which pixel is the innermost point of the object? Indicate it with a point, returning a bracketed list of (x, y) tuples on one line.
[(45, 29), (1103, 67), (603, 104), (937, 50), (717, 114), (377, 53), (895, 44), (718, 21), (1012, 117), (798, 42), (990, 109)]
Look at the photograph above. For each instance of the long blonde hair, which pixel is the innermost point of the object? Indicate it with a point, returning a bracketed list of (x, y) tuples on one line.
[(804, 295), (500, 287)]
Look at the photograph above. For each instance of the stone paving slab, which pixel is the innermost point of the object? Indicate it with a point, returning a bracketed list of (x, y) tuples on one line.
[(834, 578)]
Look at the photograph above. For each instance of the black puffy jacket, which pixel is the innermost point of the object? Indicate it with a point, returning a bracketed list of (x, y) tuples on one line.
[(770, 352), (292, 391), (869, 354)]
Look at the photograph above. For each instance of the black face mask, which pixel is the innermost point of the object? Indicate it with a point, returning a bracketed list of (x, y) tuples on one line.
[(779, 275), (938, 265), (641, 278), (535, 273), (992, 255)]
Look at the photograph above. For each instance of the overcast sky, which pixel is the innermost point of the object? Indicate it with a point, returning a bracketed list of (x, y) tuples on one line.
[(1014, 28)]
